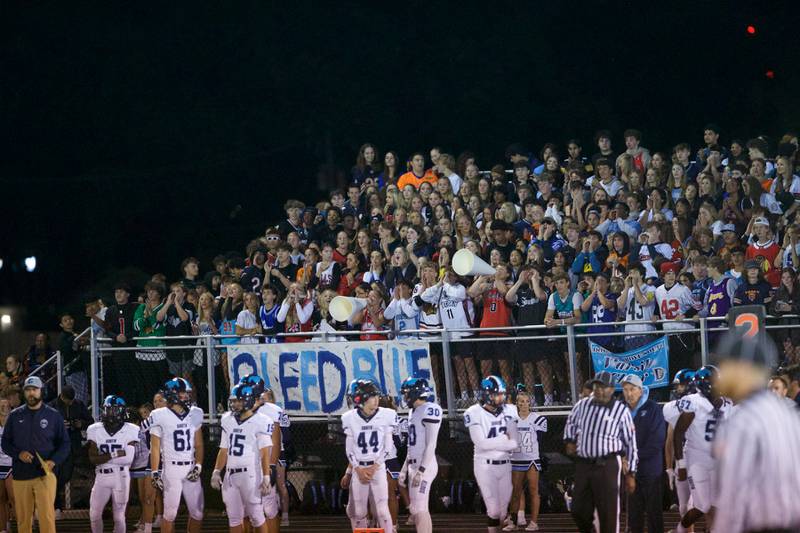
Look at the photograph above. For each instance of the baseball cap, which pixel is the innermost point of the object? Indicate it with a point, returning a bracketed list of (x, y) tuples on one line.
[(752, 263), (669, 267), (348, 212), (761, 221), (634, 380), (604, 378), (728, 227), (33, 381)]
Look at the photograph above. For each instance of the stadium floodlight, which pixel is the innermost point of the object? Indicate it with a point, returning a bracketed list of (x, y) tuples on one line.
[(1, 263), (5, 320), (30, 263)]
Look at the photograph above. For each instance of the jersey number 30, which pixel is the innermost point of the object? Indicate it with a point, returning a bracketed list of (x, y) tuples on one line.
[(182, 439), (364, 443)]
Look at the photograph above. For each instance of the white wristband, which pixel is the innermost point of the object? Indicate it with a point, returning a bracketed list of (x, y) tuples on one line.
[(680, 463)]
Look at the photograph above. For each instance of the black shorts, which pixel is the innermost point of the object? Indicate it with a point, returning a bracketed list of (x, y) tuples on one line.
[(393, 467), (530, 350), (462, 349), (500, 350), (556, 348)]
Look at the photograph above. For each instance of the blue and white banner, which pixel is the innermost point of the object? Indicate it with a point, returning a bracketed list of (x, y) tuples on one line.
[(650, 362), (312, 378)]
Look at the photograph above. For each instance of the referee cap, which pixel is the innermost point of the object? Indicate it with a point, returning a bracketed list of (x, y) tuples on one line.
[(604, 378)]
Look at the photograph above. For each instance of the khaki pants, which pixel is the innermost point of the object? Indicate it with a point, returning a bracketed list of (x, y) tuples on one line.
[(38, 493)]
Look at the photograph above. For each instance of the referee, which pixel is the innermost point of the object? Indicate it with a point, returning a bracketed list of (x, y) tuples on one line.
[(599, 431), (757, 448)]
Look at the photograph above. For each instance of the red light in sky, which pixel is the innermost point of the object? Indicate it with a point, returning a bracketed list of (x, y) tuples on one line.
[(751, 30), (770, 74)]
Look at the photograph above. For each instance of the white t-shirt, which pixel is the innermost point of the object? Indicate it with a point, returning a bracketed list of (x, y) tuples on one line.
[(455, 182), (107, 443), (246, 319), (177, 432)]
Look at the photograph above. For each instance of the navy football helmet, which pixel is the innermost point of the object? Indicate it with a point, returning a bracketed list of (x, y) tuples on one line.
[(704, 379), (683, 383), (114, 411), (363, 390), (256, 382), (493, 392), (414, 389), (242, 398), (174, 388)]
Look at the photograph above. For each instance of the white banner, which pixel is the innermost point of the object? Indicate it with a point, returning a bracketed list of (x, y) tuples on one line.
[(312, 378)]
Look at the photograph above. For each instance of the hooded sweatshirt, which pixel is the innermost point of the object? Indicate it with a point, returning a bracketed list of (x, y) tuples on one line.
[(651, 432)]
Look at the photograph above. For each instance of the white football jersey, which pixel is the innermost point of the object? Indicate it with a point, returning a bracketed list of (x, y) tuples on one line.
[(107, 443), (5, 460), (369, 435), (701, 431), (671, 412), (176, 432), (493, 427), (676, 300), (427, 413), (277, 415), (634, 311), (528, 438), (244, 440)]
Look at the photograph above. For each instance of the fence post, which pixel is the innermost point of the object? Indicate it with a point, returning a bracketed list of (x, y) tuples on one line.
[(59, 372), (95, 378), (703, 341), (212, 379), (573, 363), (452, 412)]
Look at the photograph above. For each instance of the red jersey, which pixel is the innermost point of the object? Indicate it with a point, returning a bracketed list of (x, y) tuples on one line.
[(368, 325), (765, 254), (496, 313)]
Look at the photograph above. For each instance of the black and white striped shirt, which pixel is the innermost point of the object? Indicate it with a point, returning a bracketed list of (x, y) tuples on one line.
[(758, 471), (600, 430)]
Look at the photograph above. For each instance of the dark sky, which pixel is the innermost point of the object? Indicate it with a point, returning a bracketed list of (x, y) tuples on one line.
[(131, 133)]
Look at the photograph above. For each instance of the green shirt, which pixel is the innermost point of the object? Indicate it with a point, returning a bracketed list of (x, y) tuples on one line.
[(148, 326)]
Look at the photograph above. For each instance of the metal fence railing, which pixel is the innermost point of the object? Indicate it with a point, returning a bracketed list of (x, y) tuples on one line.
[(103, 353)]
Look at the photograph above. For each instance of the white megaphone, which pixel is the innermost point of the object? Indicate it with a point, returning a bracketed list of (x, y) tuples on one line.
[(465, 263), (342, 307)]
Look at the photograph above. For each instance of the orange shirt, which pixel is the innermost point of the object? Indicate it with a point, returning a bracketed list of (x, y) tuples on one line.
[(409, 178)]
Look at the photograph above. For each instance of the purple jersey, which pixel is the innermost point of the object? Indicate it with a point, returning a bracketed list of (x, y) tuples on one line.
[(598, 314), (718, 297)]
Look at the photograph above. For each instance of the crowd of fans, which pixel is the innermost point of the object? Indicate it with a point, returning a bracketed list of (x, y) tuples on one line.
[(595, 234)]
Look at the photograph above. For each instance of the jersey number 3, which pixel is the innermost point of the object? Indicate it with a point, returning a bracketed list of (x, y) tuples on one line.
[(364, 443), (182, 439)]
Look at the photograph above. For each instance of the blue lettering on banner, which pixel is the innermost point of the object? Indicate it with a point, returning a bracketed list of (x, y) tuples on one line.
[(366, 355), (414, 357), (313, 378), (241, 359), (308, 381), (287, 382), (649, 362), (327, 358), (265, 375)]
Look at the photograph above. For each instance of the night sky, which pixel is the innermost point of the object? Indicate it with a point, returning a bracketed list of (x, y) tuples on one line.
[(135, 136)]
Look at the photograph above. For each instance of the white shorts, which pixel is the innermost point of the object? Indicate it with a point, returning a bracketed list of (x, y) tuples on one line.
[(175, 485), (241, 493), (701, 482)]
